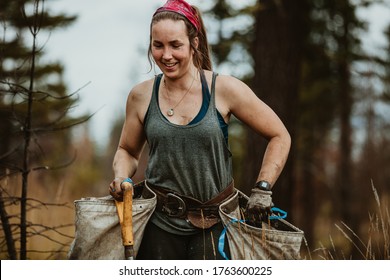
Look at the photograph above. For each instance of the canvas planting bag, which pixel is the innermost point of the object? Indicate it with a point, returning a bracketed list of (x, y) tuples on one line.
[(97, 228), (275, 240)]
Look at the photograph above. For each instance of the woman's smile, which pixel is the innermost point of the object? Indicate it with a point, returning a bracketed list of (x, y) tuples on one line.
[(170, 65)]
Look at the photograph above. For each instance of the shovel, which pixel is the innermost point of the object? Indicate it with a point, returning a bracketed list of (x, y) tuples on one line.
[(125, 215)]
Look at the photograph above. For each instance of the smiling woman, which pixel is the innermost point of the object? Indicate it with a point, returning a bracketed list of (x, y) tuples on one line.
[(183, 114)]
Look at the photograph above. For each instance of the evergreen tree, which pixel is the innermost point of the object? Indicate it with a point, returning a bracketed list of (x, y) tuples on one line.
[(33, 105), (52, 102)]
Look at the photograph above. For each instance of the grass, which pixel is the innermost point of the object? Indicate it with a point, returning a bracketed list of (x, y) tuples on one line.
[(377, 243)]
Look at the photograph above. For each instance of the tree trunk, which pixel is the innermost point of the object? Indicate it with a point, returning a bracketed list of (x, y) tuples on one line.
[(347, 206), (277, 54)]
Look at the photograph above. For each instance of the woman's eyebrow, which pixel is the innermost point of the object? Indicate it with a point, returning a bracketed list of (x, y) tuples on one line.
[(176, 41)]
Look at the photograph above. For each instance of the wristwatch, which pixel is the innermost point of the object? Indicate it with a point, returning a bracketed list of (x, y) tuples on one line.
[(264, 185)]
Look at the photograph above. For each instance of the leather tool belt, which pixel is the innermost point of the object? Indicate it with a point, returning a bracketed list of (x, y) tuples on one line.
[(200, 214)]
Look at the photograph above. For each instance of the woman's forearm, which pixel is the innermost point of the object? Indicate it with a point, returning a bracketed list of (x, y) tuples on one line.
[(124, 165), (275, 158)]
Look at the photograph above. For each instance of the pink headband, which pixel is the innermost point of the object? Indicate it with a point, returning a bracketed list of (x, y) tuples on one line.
[(183, 8)]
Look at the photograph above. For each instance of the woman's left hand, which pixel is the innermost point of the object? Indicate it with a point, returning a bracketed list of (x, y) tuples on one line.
[(259, 205)]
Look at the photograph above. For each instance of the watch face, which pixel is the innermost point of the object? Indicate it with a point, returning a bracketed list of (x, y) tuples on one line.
[(264, 185)]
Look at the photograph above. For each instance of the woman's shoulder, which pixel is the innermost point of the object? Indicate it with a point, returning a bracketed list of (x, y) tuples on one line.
[(141, 91), (222, 80), (143, 88), (139, 98), (227, 84)]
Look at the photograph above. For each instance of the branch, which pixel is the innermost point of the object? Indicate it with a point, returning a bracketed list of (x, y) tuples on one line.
[(7, 229), (45, 167), (23, 90), (12, 85), (47, 251), (7, 154), (64, 127), (14, 200), (54, 229), (30, 234), (46, 204)]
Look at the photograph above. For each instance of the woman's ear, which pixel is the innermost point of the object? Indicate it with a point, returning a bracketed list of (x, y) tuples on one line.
[(196, 42)]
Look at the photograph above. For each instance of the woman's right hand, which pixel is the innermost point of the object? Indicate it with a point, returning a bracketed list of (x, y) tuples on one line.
[(115, 188)]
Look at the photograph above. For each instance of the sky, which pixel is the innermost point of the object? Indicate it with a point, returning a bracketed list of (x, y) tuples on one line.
[(104, 52)]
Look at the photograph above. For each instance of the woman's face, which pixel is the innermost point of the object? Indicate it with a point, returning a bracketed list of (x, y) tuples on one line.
[(171, 48)]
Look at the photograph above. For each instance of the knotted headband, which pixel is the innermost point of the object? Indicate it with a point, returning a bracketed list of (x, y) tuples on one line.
[(183, 8)]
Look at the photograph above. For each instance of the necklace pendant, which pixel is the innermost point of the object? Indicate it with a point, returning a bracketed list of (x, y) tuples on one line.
[(170, 112)]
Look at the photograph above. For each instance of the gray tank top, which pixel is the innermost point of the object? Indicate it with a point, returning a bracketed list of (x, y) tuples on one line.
[(193, 159)]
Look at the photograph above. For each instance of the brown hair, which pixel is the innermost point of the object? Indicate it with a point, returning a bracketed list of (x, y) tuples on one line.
[(201, 55)]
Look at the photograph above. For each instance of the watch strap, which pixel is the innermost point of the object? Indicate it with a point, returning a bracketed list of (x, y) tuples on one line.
[(264, 185)]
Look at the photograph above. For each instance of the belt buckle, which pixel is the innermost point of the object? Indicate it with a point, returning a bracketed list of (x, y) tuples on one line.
[(178, 211)]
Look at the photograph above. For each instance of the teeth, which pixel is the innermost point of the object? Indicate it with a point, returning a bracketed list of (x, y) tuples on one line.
[(170, 64)]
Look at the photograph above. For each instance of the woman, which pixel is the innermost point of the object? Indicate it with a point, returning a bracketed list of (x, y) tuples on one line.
[(183, 114)]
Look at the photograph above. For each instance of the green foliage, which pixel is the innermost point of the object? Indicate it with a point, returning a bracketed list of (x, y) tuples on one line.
[(52, 103)]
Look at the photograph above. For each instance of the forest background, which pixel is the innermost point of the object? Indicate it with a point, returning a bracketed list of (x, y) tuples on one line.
[(304, 58)]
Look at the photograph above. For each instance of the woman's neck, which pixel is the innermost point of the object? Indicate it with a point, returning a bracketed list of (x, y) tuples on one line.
[(181, 83)]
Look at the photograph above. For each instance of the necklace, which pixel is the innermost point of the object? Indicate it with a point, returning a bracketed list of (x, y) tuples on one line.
[(171, 111)]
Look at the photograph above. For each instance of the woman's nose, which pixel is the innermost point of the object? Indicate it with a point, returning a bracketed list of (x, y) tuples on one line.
[(167, 54)]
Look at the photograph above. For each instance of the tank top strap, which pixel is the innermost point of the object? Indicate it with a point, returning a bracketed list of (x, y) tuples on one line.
[(213, 89), (205, 100), (156, 87), (210, 96), (153, 108)]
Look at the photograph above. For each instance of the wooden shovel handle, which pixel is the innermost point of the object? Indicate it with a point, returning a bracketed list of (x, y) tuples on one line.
[(125, 215), (127, 227)]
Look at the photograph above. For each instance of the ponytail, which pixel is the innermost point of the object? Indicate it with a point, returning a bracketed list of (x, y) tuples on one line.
[(202, 58)]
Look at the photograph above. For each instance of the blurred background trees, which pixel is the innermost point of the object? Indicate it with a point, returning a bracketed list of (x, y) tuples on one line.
[(309, 65), (303, 58), (35, 133)]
